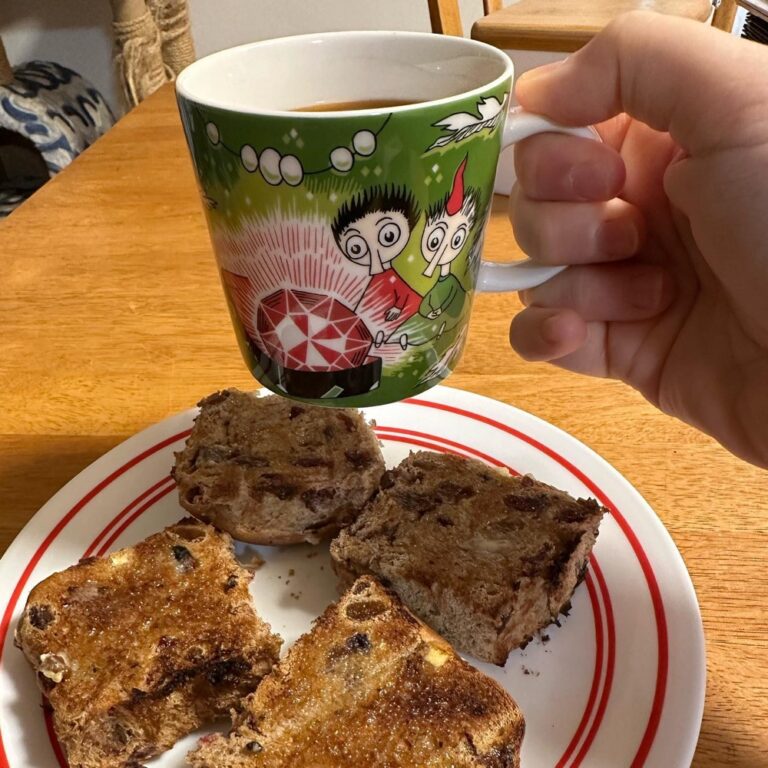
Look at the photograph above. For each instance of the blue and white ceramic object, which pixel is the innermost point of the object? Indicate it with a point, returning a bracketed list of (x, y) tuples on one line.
[(59, 111)]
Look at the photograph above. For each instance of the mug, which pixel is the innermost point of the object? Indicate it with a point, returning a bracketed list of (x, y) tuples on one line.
[(347, 179)]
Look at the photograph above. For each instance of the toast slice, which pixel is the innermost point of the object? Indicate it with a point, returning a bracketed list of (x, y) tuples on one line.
[(371, 687), (139, 648), (485, 558), (272, 471)]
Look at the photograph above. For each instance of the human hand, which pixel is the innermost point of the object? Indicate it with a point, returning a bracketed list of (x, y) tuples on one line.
[(666, 222)]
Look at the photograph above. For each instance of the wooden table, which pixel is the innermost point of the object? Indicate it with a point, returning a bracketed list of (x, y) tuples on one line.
[(112, 318)]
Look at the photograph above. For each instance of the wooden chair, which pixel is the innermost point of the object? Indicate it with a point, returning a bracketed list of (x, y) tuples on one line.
[(725, 14), (551, 25), (445, 17)]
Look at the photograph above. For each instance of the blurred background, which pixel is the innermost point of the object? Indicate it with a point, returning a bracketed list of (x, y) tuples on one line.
[(70, 68), (78, 33)]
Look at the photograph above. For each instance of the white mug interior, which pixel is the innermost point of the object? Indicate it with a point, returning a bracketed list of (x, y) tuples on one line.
[(276, 76)]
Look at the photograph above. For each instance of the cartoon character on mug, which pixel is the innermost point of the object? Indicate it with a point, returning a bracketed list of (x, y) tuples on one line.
[(447, 228), (372, 229)]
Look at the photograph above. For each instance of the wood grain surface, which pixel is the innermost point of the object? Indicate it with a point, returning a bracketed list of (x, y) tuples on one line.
[(445, 17), (112, 318), (567, 25), (725, 15)]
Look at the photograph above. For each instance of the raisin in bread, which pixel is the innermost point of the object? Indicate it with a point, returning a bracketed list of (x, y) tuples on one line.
[(483, 557), (371, 687), (139, 648), (271, 471)]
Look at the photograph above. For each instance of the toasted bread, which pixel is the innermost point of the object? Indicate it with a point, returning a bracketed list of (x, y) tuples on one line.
[(485, 558), (271, 471), (139, 648), (371, 687)]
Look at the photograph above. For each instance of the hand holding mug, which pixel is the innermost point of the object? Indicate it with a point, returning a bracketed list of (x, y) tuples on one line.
[(663, 225)]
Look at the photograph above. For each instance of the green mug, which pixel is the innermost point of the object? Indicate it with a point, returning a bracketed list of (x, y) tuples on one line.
[(347, 179)]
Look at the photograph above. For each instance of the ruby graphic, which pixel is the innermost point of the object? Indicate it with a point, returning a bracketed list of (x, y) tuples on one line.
[(307, 331)]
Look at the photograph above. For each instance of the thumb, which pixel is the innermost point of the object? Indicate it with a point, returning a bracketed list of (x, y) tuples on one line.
[(675, 75)]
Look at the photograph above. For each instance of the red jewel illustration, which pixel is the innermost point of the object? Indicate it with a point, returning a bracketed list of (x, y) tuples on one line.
[(307, 331)]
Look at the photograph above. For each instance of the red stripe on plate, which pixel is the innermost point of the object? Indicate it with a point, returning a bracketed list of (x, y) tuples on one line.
[(435, 442), (88, 552), (35, 559), (422, 444), (61, 758), (389, 431), (610, 667), (417, 438), (662, 669), (596, 677), (143, 508), (634, 542), (59, 752)]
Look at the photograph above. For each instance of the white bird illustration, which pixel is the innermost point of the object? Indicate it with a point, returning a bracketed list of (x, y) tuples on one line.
[(461, 125)]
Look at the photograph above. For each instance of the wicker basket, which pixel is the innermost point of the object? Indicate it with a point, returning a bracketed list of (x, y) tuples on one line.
[(153, 44)]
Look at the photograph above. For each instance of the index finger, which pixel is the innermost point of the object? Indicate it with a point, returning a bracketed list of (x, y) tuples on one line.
[(665, 71)]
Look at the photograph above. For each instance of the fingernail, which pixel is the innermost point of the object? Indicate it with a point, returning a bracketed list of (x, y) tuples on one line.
[(647, 290), (538, 73), (618, 237)]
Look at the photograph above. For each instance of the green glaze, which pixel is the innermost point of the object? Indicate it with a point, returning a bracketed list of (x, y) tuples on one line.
[(357, 234)]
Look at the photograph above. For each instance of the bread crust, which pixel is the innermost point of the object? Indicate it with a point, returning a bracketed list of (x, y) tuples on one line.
[(370, 685), (272, 471), (139, 648), (484, 557)]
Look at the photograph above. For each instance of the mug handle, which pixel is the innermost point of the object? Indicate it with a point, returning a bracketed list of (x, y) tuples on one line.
[(524, 274)]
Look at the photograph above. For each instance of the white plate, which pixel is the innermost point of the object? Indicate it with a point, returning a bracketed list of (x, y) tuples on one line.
[(621, 683)]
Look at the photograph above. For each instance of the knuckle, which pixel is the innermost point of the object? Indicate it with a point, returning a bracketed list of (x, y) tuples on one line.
[(580, 287), (551, 244), (626, 25), (521, 219), (527, 162)]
